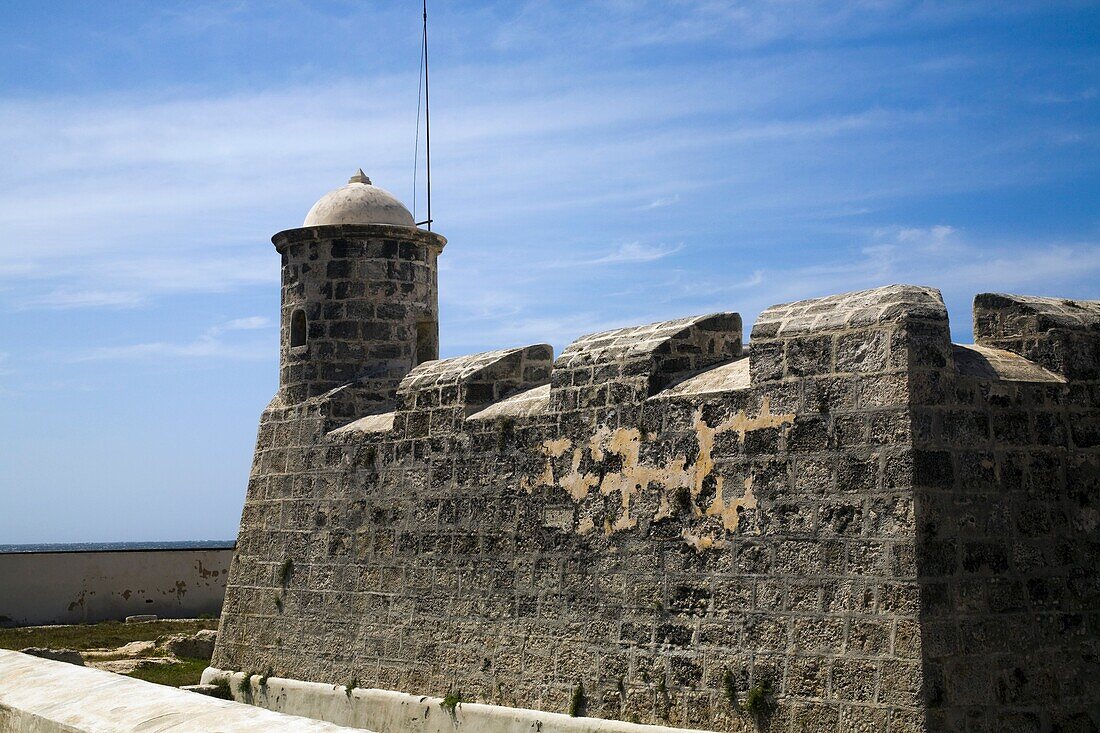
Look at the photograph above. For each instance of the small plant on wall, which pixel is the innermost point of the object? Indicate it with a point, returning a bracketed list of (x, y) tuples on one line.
[(729, 686), (451, 703), (760, 703), (578, 703), (285, 571), (505, 432), (244, 686)]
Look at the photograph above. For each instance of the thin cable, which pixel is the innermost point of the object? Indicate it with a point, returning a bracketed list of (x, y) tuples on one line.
[(427, 120), (416, 145)]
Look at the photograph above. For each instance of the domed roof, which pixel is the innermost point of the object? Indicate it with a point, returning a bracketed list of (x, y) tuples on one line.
[(359, 202)]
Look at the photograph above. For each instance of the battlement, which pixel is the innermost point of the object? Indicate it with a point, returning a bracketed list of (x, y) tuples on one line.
[(880, 331), (630, 364), (1061, 334)]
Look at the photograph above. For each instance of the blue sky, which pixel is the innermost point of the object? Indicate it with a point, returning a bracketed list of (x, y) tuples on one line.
[(595, 164)]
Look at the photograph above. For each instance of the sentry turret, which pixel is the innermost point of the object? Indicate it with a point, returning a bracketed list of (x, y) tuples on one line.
[(360, 302)]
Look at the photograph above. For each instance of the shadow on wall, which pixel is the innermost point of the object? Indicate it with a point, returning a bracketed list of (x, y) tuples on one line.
[(1006, 464)]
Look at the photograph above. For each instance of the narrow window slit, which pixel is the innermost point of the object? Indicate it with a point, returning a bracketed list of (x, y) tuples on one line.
[(298, 328), (427, 341)]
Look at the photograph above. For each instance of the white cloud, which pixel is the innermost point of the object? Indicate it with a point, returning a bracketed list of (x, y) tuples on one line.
[(1083, 95), (933, 237), (65, 299), (660, 203), (249, 323), (210, 345), (201, 348), (635, 252)]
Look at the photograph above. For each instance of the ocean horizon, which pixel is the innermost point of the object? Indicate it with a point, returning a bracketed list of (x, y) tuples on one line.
[(119, 546)]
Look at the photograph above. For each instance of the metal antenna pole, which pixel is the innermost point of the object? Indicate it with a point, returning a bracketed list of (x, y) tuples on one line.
[(427, 119)]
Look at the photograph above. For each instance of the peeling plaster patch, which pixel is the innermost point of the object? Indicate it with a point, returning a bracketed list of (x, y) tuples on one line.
[(634, 477), (731, 512), (557, 448), (575, 483), (699, 543)]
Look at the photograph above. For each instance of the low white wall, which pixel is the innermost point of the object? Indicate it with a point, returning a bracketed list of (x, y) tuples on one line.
[(42, 696), (77, 587), (398, 712)]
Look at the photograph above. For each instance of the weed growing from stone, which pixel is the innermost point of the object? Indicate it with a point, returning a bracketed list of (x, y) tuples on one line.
[(285, 570), (578, 704), (266, 676), (759, 702), (351, 685), (729, 684), (223, 692), (450, 704), (505, 432), (278, 602), (663, 698), (244, 686)]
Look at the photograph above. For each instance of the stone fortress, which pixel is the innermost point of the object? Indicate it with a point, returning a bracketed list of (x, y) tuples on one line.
[(847, 524)]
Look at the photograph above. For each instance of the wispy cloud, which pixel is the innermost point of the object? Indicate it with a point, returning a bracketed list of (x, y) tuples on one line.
[(210, 345), (1083, 95), (660, 203), (636, 252), (179, 195), (628, 252), (65, 299), (249, 323)]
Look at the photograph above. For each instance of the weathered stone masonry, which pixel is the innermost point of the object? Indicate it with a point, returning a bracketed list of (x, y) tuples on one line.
[(898, 533)]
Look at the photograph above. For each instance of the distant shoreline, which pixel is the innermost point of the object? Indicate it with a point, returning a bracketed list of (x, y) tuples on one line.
[(118, 546)]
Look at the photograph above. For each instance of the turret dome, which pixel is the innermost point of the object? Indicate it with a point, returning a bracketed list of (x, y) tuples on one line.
[(359, 202)]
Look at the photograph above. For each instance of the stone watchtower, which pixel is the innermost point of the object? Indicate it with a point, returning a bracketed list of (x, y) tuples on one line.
[(360, 302)]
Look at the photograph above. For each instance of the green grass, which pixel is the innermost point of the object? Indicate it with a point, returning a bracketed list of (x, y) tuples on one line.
[(97, 636), (187, 672)]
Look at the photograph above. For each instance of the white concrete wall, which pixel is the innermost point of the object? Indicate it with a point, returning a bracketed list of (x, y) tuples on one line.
[(76, 587), (398, 712), (42, 696)]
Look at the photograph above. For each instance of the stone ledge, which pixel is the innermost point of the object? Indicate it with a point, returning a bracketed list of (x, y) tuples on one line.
[(984, 362), (44, 696), (354, 231), (398, 712)]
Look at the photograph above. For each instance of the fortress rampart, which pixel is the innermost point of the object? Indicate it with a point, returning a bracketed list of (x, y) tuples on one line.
[(892, 532)]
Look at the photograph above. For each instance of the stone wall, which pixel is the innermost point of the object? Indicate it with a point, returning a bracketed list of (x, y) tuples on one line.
[(85, 587), (668, 524)]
